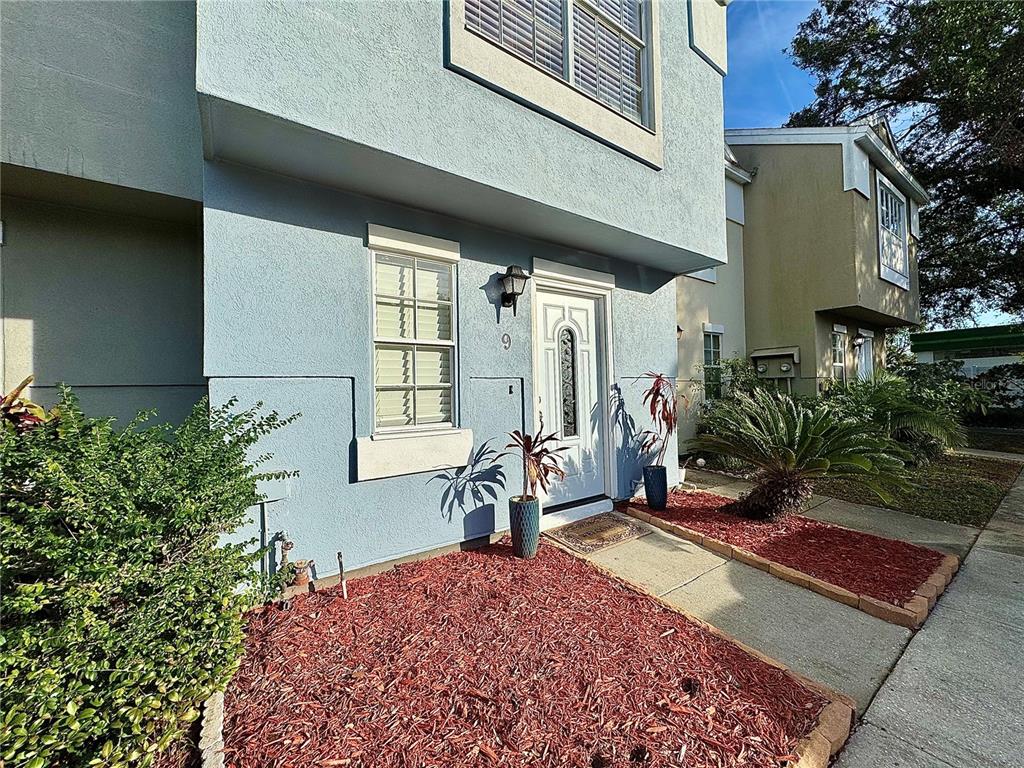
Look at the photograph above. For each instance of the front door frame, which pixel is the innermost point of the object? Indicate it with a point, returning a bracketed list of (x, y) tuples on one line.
[(564, 278)]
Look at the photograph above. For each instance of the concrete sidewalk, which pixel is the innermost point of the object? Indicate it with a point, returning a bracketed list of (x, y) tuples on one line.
[(1004, 455), (839, 646), (956, 697)]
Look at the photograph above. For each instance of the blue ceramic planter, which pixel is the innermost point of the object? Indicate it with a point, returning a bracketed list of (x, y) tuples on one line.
[(656, 486), (524, 522)]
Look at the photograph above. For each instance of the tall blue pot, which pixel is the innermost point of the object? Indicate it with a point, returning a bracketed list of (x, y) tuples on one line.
[(524, 522), (656, 486)]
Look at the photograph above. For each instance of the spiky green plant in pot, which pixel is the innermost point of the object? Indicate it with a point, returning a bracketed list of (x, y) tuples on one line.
[(792, 445)]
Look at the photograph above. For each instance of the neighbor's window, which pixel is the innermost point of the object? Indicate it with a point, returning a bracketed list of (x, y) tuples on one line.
[(839, 357), (712, 365), (893, 250), (414, 341), (598, 46)]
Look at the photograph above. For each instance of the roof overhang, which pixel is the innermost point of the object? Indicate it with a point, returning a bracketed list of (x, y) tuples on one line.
[(861, 147), (793, 352), (736, 173), (239, 134), (873, 316)]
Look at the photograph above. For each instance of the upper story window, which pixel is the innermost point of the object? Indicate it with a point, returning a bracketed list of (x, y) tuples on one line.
[(598, 46), (893, 246), (712, 365), (414, 341)]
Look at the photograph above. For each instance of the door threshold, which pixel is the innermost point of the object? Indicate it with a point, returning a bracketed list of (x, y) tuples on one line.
[(565, 514)]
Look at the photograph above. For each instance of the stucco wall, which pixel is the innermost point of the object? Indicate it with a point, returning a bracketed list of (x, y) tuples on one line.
[(104, 91), (823, 324), (373, 73), (287, 322), (872, 291), (720, 303), (107, 303)]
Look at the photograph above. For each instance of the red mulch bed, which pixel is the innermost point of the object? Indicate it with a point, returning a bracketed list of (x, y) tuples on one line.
[(885, 569), (479, 658)]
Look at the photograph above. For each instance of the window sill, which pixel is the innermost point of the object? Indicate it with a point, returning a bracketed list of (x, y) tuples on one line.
[(479, 58), (406, 453)]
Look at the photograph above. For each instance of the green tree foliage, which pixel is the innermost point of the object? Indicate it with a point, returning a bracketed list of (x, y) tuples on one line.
[(121, 600), (792, 444), (950, 76)]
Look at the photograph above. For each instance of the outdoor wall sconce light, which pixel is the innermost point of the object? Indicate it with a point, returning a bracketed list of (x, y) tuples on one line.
[(762, 368), (785, 367), (513, 283), (858, 340)]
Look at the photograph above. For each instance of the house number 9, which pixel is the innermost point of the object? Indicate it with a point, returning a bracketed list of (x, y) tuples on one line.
[(506, 341)]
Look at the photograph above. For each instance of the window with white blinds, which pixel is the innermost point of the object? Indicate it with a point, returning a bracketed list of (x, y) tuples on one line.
[(596, 45), (893, 250), (414, 341)]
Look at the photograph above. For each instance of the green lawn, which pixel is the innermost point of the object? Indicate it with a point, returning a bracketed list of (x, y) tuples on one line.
[(955, 489)]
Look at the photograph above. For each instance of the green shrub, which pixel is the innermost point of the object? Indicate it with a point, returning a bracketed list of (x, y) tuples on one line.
[(792, 445), (923, 418), (121, 602), (943, 385)]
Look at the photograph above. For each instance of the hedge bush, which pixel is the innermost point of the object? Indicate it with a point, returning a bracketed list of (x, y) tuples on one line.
[(121, 600)]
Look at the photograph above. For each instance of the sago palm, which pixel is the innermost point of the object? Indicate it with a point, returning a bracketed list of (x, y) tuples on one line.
[(792, 445), (889, 403)]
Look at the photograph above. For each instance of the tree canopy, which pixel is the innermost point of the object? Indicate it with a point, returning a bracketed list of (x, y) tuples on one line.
[(950, 78)]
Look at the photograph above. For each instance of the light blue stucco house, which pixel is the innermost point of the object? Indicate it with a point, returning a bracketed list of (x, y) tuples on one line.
[(312, 205)]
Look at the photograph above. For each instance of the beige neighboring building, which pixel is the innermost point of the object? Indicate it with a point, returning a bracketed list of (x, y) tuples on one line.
[(710, 305), (821, 247)]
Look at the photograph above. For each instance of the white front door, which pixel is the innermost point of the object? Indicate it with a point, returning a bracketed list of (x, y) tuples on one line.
[(570, 390)]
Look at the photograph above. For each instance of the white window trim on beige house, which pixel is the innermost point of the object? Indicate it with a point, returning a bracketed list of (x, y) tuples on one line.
[(893, 236)]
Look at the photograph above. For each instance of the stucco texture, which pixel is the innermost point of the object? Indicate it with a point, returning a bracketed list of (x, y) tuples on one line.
[(107, 303), (104, 91), (296, 61), (719, 303), (811, 248), (288, 323)]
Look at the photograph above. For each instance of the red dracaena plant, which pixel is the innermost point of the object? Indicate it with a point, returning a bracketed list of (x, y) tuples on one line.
[(660, 399), (19, 411), (540, 460)]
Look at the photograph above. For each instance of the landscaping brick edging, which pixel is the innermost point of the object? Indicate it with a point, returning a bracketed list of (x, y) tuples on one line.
[(211, 734), (911, 614), (835, 721)]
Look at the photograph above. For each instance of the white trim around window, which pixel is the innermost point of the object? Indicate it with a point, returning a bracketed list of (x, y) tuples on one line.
[(893, 235), (520, 50), (838, 352), (414, 332)]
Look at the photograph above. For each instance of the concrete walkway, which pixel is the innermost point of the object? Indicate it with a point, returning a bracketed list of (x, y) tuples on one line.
[(1004, 455), (956, 697), (839, 646)]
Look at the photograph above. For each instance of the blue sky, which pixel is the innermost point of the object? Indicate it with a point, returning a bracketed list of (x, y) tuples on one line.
[(763, 86)]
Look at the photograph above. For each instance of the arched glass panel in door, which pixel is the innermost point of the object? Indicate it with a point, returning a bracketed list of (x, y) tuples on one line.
[(568, 381)]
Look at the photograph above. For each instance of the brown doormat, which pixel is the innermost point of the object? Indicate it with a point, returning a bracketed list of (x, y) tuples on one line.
[(598, 532)]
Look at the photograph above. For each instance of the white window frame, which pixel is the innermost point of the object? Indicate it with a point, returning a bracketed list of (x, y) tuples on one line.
[(839, 336), (388, 241), (567, 76), (887, 194), (712, 334), (866, 352)]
